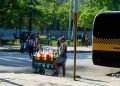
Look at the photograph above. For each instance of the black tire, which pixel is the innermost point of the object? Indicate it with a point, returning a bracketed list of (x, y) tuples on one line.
[(43, 72), (40, 71)]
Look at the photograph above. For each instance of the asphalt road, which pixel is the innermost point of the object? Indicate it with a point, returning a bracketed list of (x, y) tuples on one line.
[(15, 62)]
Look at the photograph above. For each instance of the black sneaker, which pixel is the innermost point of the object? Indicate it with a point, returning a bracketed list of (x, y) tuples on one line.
[(55, 74)]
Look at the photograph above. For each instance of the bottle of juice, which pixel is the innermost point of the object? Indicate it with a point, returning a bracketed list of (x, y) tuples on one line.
[(51, 55), (37, 56), (45, 57), (42, 56)]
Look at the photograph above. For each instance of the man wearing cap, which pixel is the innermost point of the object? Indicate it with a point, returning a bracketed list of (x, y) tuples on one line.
[(61, 60)]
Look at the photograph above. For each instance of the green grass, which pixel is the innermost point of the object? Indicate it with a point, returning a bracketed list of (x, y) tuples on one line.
[(43, 37), (43, 41), (6, 41)]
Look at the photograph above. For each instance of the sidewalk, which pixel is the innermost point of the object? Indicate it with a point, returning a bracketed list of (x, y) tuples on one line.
[(9, 48)]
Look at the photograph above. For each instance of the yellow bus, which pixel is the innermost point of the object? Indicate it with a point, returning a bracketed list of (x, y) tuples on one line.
[(106, 39)]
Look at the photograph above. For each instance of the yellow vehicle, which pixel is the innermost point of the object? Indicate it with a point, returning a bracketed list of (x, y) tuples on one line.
[(106, 39)]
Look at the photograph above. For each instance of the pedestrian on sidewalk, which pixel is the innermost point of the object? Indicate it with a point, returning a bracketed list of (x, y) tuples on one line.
[(61, 59), (37, 43), (31, 44)]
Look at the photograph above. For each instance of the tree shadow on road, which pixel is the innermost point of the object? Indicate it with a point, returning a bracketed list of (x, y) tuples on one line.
[(10, 82)]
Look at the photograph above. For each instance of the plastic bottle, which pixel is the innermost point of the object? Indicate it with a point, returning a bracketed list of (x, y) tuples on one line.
[(51, 57), (47, 56), (37, 56), (44, 56)]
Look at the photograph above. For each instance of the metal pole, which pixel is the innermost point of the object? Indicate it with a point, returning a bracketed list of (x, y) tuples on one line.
[(30, 16), (75, 34), (72, 33), (20, 22), (70, 19)]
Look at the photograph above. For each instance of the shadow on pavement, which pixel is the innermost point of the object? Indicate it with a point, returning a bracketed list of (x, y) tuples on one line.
[(10, 82)]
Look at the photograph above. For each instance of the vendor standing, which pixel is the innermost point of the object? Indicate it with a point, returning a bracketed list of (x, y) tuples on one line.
[(58, 44), (61, 60)]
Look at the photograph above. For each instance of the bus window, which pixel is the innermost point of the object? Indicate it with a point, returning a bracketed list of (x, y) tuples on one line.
[(106, 39)]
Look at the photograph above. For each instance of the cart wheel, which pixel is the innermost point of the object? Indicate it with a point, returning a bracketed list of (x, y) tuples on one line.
[(43, 72), (35, 70), (40, 71)]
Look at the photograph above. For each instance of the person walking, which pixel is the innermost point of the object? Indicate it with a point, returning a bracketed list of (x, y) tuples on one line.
[(37, 43), (31, 44), (61, 59)]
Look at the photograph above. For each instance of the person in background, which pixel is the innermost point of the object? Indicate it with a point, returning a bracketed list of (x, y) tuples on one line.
[(37, 43), (61, 59), (31, 44)]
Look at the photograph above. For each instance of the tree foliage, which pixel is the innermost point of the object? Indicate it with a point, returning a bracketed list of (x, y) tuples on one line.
[(51, 14), (89, 10)]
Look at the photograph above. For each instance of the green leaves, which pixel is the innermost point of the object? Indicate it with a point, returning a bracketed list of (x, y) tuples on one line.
[(51, 13), (87, 17), (89, 10)]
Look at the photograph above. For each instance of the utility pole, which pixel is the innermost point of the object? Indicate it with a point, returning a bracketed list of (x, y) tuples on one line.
[(30, 16), (20, 22), (75, 34), (70, 19)]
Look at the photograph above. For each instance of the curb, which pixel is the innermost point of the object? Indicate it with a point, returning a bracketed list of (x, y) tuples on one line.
[(8, 48), (17, 50)]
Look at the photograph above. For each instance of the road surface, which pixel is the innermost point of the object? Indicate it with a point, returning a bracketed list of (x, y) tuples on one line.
[(16, 62)]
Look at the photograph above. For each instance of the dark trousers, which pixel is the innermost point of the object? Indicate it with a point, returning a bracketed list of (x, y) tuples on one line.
[(31, 49)]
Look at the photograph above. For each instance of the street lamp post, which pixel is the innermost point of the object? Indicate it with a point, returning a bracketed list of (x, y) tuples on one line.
[(75, 34), (30, 16), (70, 19)]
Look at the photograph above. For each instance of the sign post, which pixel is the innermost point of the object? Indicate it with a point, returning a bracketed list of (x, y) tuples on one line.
[(75, 34)]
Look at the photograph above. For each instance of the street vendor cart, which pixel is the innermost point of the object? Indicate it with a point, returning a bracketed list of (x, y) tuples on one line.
[(43, 60)]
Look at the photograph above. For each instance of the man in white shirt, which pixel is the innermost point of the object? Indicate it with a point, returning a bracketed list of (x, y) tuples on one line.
[(61, 60)]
